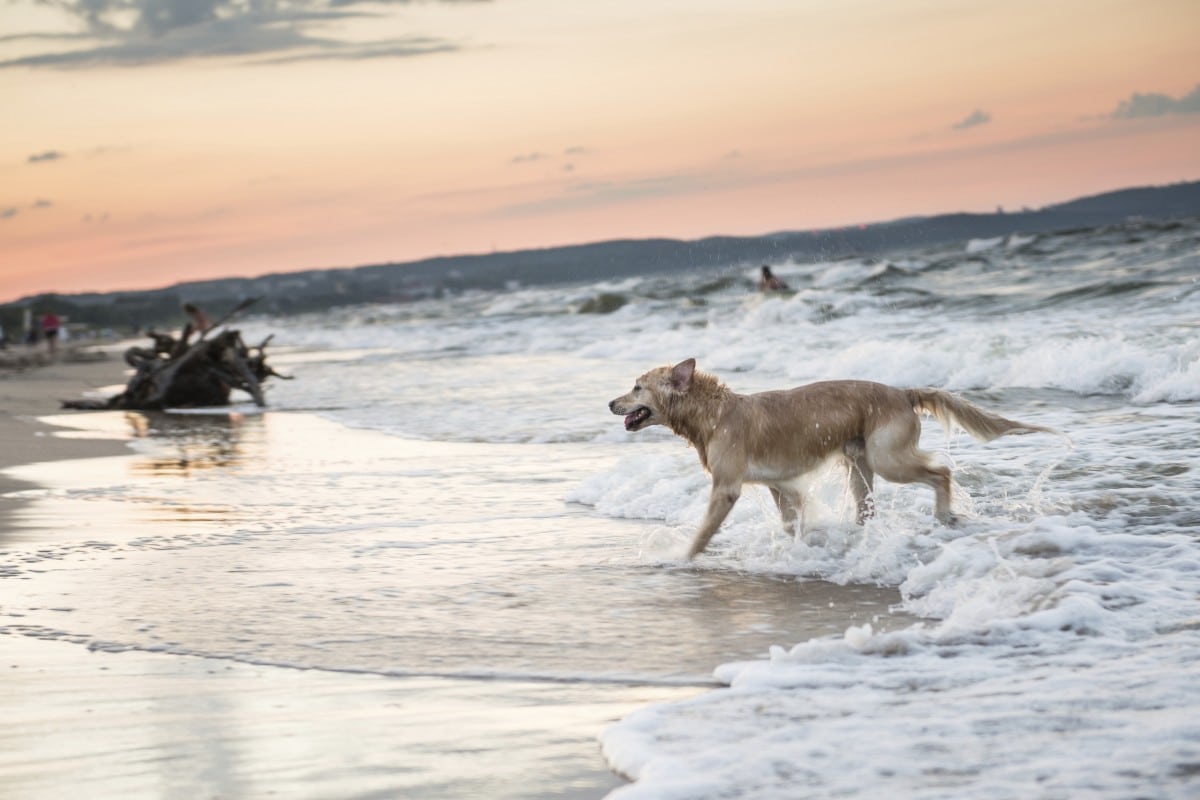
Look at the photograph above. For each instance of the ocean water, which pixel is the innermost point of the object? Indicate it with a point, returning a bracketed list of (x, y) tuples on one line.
[(441, 493)]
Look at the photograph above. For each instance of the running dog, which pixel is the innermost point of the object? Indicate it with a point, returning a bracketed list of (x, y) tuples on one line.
[(775, 438)]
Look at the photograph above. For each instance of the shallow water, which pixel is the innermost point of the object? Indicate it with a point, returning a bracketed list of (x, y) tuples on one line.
[(442, 493), (380, 554), (512, 625)]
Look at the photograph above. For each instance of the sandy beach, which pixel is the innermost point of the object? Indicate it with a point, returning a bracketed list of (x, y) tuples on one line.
[(29, 393), (87, 716), (136, 724), (108, 725)]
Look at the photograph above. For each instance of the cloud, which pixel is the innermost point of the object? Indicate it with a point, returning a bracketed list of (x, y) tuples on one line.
[(1140, 106), (592, 194), (976, 117), (8, 212), (393, 48), (527, 158), (141, 32), (48, 155), (567, 153)]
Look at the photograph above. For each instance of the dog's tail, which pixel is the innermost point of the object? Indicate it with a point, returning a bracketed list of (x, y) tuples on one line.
[(948, 408)]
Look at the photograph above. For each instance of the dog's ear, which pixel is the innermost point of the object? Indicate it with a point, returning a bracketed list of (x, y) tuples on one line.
[(681, 375)]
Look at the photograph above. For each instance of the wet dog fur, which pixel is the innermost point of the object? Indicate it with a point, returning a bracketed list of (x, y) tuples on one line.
[(775, 438)]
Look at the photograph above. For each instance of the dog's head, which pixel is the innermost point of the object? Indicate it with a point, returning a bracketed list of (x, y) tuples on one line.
[(647, 404)]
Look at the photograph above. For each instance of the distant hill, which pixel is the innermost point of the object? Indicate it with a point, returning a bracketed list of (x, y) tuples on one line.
[(311, 290)]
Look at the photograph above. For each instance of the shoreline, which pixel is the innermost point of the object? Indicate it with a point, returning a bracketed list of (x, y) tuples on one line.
[(146, 722), (81, 718), (26, 395), (140, 723)]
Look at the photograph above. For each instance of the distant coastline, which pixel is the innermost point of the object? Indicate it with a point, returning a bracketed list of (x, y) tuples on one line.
[(318, 289)]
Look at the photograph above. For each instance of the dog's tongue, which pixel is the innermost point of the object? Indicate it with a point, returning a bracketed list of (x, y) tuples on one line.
[(634, 417)]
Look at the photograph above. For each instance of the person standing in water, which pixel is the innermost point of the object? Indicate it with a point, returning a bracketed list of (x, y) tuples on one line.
[(770, 282)]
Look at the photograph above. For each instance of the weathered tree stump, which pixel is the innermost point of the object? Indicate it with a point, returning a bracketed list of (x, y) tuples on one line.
[(176, 374)]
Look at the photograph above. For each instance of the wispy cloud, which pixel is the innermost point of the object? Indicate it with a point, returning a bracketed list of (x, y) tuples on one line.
[(47, 155), (142, 32), (8, 212), (567, 165), (1153, 104), (393, 48), (589, 194), (974, 119)]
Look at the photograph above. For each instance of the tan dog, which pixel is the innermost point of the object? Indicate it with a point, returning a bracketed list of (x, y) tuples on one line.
[(774, 438)]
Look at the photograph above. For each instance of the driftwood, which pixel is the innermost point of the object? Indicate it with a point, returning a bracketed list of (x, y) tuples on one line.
[(176, 373)]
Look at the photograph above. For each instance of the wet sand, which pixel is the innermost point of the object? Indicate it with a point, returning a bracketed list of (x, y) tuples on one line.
[(81, 722), (85, 721), (26, 395), (99, 724)]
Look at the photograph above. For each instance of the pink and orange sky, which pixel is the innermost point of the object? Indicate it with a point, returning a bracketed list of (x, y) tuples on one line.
[(147, 142)]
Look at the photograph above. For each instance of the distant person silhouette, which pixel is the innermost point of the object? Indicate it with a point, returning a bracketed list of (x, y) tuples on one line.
[(199, 320), (50, 325), (770, 282)]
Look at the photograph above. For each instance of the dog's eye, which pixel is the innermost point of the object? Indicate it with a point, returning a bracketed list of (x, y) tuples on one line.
[(637, 387)]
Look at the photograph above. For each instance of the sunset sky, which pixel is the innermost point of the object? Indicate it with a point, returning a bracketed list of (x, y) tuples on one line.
[(146, 142)]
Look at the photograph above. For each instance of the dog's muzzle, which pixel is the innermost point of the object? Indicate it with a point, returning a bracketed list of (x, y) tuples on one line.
[(634, 419)]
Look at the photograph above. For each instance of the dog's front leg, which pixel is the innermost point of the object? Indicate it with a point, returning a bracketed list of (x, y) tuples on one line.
[(788, 502), (723, 496)]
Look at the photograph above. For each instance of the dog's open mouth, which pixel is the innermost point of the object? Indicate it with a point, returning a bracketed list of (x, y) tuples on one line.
[(635, 418)]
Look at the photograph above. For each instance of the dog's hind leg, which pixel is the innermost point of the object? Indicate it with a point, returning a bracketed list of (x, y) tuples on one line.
[(788, 501), (893, 453), (862, 479), (720, 502)]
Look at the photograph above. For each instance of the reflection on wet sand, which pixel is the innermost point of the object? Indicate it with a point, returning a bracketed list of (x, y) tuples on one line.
[(124, 494), (182, 444)]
